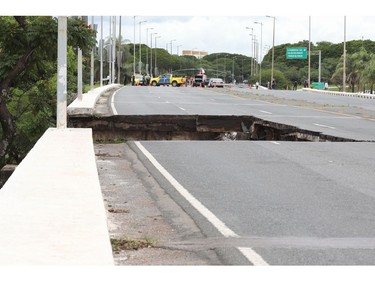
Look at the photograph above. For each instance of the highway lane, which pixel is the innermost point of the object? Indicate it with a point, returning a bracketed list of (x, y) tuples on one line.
[(314, 97), (291, 203), (186, 100)]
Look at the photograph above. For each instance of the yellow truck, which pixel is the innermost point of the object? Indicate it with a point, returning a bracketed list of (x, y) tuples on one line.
[(168, 79)]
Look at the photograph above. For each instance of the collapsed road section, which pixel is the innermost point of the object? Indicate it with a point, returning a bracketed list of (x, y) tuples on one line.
[(194, 127)]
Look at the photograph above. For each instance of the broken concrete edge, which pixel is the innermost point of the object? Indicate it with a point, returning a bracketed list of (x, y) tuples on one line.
[(193, 127), (86, 106), (51, 209)]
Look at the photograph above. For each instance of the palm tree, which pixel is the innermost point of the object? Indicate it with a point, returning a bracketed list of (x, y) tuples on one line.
[(355, 67), (369, 74)]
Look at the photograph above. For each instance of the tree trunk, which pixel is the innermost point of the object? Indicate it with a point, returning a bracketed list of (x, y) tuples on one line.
[(8, 129)]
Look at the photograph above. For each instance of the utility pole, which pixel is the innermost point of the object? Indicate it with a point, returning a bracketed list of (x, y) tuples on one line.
[(113, 48), (92, 59), (109, 52), (344, 60), (251, 50), (140, 49), (79, 72), (261, 52), (154, 33), (61, 116), (273, 47), (119, 57), (309, 60), (101, 51), (147, 65), (134, 51)]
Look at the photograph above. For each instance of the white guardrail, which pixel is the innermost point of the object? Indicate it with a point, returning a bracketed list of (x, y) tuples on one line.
[(346, 94)]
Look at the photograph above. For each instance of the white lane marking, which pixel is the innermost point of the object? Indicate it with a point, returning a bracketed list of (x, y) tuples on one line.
[(114, 111), (252, 256), (186, 194), (266, 112), (182, 108), (325, 126), (249, 253), (275, 142)]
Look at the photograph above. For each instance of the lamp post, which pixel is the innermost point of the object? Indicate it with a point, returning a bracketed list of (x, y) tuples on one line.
[(178, 48), (261, 52), (149, 28), (233, 71), (154, 33), (134, 49), (225, 62), (344, 59), (309, 60), (101, 51), (252, 38), (255, 58), (156, 68), (171, 46), (273, 47), (140, 49)]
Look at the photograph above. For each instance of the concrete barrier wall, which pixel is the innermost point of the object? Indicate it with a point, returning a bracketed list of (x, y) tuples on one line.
[(86, 106), (51, 208), (346, 94)]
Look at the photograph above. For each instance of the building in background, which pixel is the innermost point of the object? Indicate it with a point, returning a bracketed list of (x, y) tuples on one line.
[(196, 53)]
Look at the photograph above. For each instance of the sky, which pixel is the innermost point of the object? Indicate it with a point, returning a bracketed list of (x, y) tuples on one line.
[(232, 34), (215, 27)]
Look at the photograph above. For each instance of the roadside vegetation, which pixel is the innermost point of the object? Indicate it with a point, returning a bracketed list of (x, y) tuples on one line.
[(28, 71)]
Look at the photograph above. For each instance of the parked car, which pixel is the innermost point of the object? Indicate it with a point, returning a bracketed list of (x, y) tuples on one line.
[(216, 82), (138, 79)]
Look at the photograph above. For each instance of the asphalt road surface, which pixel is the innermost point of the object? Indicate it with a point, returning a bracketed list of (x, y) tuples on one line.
[(185, 100), (262, 202), (279, 203)]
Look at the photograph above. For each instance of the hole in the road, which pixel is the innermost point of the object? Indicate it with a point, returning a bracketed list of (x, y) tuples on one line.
[(194, 127)]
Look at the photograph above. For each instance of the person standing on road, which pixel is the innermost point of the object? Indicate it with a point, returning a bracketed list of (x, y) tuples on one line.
[(273, 84), (294, 85), (257, 85)]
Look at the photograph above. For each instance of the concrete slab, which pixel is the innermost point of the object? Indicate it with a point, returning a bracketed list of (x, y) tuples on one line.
[(51, 208)]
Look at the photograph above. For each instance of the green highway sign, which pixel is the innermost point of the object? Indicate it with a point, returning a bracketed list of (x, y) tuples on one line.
[(296, 53)]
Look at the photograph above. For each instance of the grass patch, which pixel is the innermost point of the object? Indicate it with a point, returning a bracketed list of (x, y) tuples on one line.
[(129, 244)]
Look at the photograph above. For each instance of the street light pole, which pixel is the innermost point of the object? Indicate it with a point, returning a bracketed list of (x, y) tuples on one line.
[(113, 48), (233, 71), (134, 50), (171, 46), (62, 38), (251, 53), (156, 68), (119, 57), (309, 61), (140, 49), (273, 47), (178, 48), (344, 60), (147, 45), (261, 52), (151, 54), (101, 51)]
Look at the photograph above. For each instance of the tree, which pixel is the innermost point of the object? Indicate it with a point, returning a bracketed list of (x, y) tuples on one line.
[(28, 55), (369, 74)]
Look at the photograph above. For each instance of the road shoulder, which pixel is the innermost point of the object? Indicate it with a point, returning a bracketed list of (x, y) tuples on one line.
[(138, 210)]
